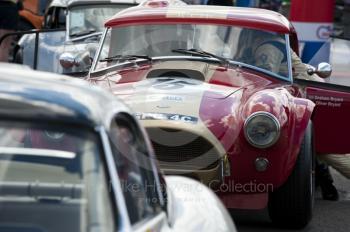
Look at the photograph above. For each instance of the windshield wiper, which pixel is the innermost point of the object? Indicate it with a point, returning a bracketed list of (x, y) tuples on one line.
[(198, 52), (82, 33), (125, 57)]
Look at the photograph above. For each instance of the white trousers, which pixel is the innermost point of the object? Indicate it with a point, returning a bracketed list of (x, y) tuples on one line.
[(341, 163)]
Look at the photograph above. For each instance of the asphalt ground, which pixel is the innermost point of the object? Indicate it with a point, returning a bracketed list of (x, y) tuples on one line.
[(329, 216)]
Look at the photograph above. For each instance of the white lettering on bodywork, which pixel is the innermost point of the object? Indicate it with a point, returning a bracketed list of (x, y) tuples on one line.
[(327, 101)]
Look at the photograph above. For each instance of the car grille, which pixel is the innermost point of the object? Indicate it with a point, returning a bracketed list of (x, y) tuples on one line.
[(174, 146)]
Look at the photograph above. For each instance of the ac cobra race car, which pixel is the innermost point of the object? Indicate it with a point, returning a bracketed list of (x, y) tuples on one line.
[(217, 106)]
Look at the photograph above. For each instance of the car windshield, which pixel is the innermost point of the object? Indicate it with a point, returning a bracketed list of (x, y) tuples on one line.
[(261, 49), (52, 179), (87, 19)]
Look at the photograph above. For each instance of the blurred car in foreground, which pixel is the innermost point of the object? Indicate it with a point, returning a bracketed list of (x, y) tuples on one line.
[(71, 31), (217, 106), (73, 158)]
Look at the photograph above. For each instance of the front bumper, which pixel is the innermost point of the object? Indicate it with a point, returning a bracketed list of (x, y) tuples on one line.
[(212, 177), (191, 153)]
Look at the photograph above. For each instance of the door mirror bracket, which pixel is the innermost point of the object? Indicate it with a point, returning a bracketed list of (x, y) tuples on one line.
[(323, 70)]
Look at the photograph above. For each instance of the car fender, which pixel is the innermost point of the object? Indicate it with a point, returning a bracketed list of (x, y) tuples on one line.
[(49, 45), (293, 115), (82, 52), (303, 109), (194, 207), (26, 44), (283, 105)]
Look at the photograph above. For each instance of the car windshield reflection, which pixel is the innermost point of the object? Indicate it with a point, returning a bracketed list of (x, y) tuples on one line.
[(52, 172), (256, 48), (89, 19)]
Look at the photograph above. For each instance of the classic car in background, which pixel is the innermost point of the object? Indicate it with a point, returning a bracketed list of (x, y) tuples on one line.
[(214, 88), (73, 158), (77, 27)]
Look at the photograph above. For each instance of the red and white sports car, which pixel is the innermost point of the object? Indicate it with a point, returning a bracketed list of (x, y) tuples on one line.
[(214, 88)]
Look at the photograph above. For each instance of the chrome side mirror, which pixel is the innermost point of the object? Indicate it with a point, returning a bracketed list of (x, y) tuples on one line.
[(323, 70), (67, 60)]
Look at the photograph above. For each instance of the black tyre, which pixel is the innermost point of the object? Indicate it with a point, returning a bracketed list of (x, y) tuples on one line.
[(291, 205)]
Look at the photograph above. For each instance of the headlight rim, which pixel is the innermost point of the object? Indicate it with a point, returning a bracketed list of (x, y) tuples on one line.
[(269, 115)]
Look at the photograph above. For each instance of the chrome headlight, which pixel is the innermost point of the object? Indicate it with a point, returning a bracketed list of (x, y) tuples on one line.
[(262, 129), (67, 60)]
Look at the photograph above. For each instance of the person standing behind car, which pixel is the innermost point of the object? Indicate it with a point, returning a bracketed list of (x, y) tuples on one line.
[(9, 17), (340, 162)]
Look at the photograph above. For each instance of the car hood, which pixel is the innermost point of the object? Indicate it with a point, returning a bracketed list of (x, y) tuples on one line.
[(171, 86), (165, 108), (179, 96)]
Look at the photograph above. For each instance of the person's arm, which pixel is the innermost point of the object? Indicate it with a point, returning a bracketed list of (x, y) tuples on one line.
[(300, 69)]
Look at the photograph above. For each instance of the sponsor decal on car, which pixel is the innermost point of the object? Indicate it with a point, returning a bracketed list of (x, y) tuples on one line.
[(171, 98), (327, 100)]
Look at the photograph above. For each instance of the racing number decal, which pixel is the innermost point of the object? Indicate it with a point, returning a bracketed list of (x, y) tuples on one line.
[(164, 116), (177, 117)]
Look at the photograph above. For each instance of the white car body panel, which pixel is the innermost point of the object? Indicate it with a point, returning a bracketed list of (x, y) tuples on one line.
[(194, 207), (191, 207)]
